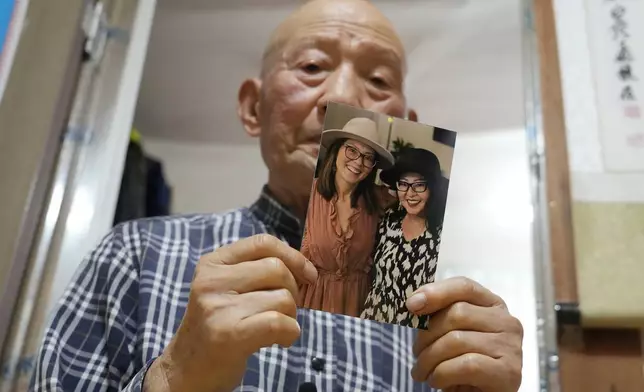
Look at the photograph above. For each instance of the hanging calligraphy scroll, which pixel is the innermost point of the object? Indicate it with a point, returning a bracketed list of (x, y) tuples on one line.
[(616, 43)]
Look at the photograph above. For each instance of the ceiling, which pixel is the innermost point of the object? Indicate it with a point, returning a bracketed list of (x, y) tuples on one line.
[(465, 63)]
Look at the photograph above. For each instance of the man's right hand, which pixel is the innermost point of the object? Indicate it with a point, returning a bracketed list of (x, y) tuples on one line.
[(242, 299)]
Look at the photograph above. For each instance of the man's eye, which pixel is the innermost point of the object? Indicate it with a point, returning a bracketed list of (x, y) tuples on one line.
[(379, 82), (311, 68)]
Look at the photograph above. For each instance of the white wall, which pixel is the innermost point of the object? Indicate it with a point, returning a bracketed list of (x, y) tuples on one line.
[(209, 178)]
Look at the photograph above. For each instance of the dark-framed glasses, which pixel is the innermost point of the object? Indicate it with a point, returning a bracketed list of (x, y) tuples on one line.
[(418, 187), (352, 153)]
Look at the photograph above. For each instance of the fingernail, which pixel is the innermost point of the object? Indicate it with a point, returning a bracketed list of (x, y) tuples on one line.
[(310, 272), (416, 302)]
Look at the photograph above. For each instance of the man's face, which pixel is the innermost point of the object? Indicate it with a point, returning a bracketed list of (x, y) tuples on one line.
[(341, 52)]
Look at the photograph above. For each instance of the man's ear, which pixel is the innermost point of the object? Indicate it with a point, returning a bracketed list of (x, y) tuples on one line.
[(248, 108), (412, 115)]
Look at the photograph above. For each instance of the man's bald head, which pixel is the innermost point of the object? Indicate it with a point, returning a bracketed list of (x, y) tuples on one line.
[(342, 51), (338, 12)]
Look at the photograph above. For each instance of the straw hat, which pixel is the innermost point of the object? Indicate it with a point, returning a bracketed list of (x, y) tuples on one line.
[(364, 131)]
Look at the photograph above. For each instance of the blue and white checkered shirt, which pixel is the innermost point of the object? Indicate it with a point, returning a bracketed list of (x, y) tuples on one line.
[(127, 300)]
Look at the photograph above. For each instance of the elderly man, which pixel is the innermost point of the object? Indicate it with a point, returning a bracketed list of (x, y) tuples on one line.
[(206, 303)]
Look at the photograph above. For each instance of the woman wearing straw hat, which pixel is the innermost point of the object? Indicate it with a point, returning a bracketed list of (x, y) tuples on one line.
[(408, 238), (343, 213)]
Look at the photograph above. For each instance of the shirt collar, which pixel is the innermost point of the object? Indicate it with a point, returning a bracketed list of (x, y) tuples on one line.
[(277, 217)]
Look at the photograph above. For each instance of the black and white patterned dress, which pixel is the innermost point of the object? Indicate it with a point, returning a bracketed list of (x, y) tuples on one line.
[(400, 267)]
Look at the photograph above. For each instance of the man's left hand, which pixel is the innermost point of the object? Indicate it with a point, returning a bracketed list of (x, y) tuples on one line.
[(472, 344)]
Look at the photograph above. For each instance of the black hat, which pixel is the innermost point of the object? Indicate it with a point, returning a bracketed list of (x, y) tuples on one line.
[(413, 160)]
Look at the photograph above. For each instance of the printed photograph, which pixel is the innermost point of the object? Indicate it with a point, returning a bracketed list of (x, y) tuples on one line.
[(375, 215)]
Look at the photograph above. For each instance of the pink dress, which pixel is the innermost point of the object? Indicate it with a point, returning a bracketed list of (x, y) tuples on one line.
[(343, 259)]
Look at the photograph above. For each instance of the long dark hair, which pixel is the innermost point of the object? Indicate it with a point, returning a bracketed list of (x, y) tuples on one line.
[(365, 188), (434, 211)]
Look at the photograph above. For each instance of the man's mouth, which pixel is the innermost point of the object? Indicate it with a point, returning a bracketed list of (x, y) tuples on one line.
[(311, 137), (313, 149)]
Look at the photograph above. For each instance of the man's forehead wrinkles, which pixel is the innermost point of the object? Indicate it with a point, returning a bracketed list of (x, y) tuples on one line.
[(343, 39), (343, 30)]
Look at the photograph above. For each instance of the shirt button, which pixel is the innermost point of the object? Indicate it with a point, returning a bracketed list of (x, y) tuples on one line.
[(317, 364)]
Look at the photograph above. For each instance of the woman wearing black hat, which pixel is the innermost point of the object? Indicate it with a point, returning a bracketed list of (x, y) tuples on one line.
[(408, 238)]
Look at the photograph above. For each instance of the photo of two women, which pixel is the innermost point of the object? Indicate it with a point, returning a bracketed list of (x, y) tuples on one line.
[(375, 215)]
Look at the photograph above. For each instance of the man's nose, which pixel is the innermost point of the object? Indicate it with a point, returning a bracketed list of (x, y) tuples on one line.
[(342, 86)]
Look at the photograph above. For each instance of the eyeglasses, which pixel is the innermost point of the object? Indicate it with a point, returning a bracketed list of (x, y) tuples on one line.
[(352, 153), (418, 187)]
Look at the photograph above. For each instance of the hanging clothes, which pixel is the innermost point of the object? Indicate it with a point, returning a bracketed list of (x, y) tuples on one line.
[(131, 202), (158, 192), (144, 191)]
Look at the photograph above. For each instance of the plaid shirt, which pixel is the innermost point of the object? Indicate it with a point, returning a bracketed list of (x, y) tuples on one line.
[(127, 300)]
